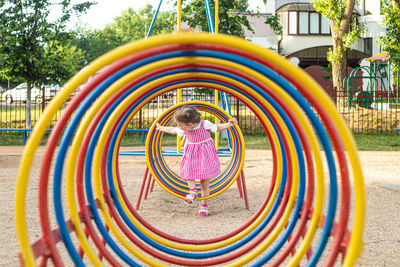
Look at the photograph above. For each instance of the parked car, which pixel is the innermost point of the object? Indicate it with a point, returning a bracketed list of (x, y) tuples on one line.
[(19, 93), (51, 91), (1, 92)]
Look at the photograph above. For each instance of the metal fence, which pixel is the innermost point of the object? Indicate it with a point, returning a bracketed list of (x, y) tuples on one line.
[(363, 112), (374, 112), (246, 118)]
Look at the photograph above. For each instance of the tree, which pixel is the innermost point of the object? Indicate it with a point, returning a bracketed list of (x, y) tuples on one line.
[(391, 41), (344, 32), (274, 22), (71, 58), (134, 26), (30, 43), (128, 26), (232, 19), (232, 16), (93, 43)]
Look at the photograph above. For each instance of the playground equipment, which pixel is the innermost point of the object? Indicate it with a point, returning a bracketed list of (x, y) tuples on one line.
[(290, 226), (378, 85), (171, 181)]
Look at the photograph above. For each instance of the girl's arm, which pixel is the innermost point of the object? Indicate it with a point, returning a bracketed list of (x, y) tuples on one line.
[(224, 126), (166, 129)]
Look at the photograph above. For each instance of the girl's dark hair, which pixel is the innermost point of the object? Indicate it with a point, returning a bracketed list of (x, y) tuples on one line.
[(187, 114)]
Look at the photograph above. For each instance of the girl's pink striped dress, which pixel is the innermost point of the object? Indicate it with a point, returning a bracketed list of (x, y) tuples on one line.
[(200, 159)]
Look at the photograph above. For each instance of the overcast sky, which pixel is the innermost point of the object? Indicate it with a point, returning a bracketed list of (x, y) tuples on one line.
[(106, 10)]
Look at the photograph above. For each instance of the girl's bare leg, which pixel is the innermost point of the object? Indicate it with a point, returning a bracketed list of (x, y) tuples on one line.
[(191, 183), (205, 190)]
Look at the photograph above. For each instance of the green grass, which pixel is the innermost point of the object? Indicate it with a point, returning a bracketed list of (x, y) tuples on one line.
[(16, 139), (364, 141), (376, 142)]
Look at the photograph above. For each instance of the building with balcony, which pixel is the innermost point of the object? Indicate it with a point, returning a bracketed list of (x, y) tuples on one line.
[(306, 36)]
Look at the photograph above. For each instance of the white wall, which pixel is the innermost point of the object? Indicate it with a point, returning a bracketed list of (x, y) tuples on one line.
[(269, 42), (294, 43), (374, 29), (260, 29), (372, 7), (374, 25)]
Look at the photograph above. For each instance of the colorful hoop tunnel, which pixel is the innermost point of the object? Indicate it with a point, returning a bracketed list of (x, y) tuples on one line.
[(170, 181), (298, 118)]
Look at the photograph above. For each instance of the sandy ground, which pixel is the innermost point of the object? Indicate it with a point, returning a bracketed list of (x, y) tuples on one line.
[(170, 214)]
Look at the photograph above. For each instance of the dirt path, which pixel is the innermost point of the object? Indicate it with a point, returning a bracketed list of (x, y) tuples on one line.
[(170, 214)]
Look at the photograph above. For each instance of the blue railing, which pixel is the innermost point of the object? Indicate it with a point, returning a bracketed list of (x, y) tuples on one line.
[(25, 132)]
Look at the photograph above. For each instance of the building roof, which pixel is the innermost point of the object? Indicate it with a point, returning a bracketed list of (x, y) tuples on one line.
[(296, 7), (380, 56), (300, 7)]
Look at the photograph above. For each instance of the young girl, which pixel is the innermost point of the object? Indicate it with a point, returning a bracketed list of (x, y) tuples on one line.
[(200, 159)]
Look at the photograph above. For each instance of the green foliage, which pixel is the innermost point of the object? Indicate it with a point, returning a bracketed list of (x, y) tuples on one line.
[(335, 57), (93, 43), (391, 41), (30, 42), (128, 26), (131, 26), (356, 30), (331, 9), (335, 11), (344, 32), (231, 16), (328, 69), (274, 22), (63, 61), (203, 90)]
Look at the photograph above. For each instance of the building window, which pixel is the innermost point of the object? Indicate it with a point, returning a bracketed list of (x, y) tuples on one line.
[(292, 22), (368, 46), (303, 23), (325, 27), (314, 23)]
